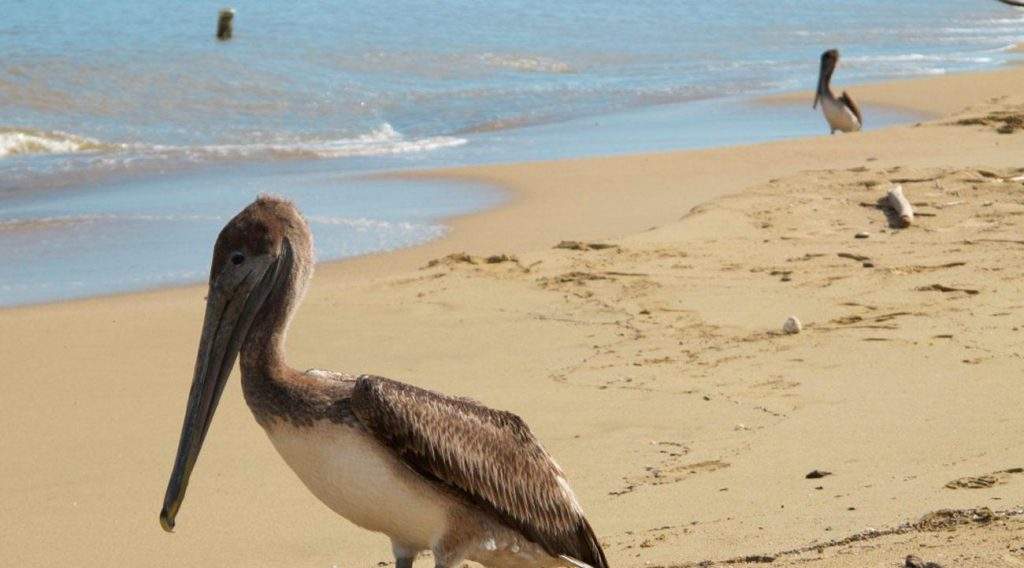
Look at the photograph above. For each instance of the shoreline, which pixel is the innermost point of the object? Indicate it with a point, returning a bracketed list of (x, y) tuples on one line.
[(892, 94), (959, 91), (505, 176), (653, 370)]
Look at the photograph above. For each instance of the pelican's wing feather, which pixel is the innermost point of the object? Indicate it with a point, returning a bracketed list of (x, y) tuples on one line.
[(489, 457), (852, 106)]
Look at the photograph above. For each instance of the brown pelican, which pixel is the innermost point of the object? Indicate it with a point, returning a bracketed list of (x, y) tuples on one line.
[(433, 472), (840, 112)]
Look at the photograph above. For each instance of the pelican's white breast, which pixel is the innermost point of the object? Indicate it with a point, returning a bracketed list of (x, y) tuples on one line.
[(839, 116), (361, 480)]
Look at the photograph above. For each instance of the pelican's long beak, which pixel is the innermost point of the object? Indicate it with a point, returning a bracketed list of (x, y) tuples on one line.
[(824, 76), (821, 85), (230, 310)]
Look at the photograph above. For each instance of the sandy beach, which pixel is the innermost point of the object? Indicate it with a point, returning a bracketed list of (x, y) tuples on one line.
[(652, 366)]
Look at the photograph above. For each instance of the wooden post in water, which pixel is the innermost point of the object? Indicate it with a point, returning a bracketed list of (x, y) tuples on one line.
[(224, 29)]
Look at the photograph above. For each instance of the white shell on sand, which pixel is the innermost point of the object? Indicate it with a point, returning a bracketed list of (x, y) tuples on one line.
[(792, 325), (901, 206)]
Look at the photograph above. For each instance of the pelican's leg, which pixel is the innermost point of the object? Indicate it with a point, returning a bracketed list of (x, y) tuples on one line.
[(404, 555), (448, 560), (449, 552)]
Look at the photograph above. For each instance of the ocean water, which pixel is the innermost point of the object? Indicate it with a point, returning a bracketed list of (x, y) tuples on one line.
[(128, 134)]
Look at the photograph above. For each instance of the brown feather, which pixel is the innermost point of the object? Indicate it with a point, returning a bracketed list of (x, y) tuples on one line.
[(488, 457), (852, 106)]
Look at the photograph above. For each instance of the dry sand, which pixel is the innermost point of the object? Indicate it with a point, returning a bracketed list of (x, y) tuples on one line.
[(654, 370)]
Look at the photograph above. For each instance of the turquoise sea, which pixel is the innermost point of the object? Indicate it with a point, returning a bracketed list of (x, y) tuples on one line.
[(129, 135)]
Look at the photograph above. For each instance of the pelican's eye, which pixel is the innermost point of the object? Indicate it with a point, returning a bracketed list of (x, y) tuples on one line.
[(237, 258)]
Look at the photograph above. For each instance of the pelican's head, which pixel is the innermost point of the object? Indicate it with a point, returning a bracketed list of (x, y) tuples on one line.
[(262, 259), (829, 60)]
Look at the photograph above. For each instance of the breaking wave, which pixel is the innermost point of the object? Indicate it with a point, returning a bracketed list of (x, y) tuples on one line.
[(358, 224), (384, 140), (381, 141), (15, 141), (526, 63)]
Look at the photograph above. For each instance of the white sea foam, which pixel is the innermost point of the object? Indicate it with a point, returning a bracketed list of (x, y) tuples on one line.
[(55, 221), (531, 63), (1011, 26), (364, 224), (914, 57), (15, 141), (357, 224), (82, 155), (381, 141)]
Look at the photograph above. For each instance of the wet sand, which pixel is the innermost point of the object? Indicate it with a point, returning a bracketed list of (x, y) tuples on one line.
[(653, 369)]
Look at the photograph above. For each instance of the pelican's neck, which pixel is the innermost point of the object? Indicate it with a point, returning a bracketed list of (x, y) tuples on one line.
[(825, 82), (262, 353)]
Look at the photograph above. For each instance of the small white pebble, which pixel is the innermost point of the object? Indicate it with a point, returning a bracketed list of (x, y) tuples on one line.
[(862, 235), (792, 325)]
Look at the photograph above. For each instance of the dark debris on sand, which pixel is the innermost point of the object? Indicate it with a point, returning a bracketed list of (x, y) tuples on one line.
[(1005, 121), (915, 562), (581, 245)]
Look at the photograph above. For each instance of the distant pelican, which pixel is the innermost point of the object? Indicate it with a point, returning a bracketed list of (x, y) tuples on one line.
[(430, 471), (841, 112)]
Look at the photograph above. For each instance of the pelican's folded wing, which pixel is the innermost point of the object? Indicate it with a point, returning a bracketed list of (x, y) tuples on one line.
[(490, 457), (852, 106)]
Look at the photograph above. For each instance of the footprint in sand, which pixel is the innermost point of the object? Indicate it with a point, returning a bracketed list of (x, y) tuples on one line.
[(670, 471), (984, 481)]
